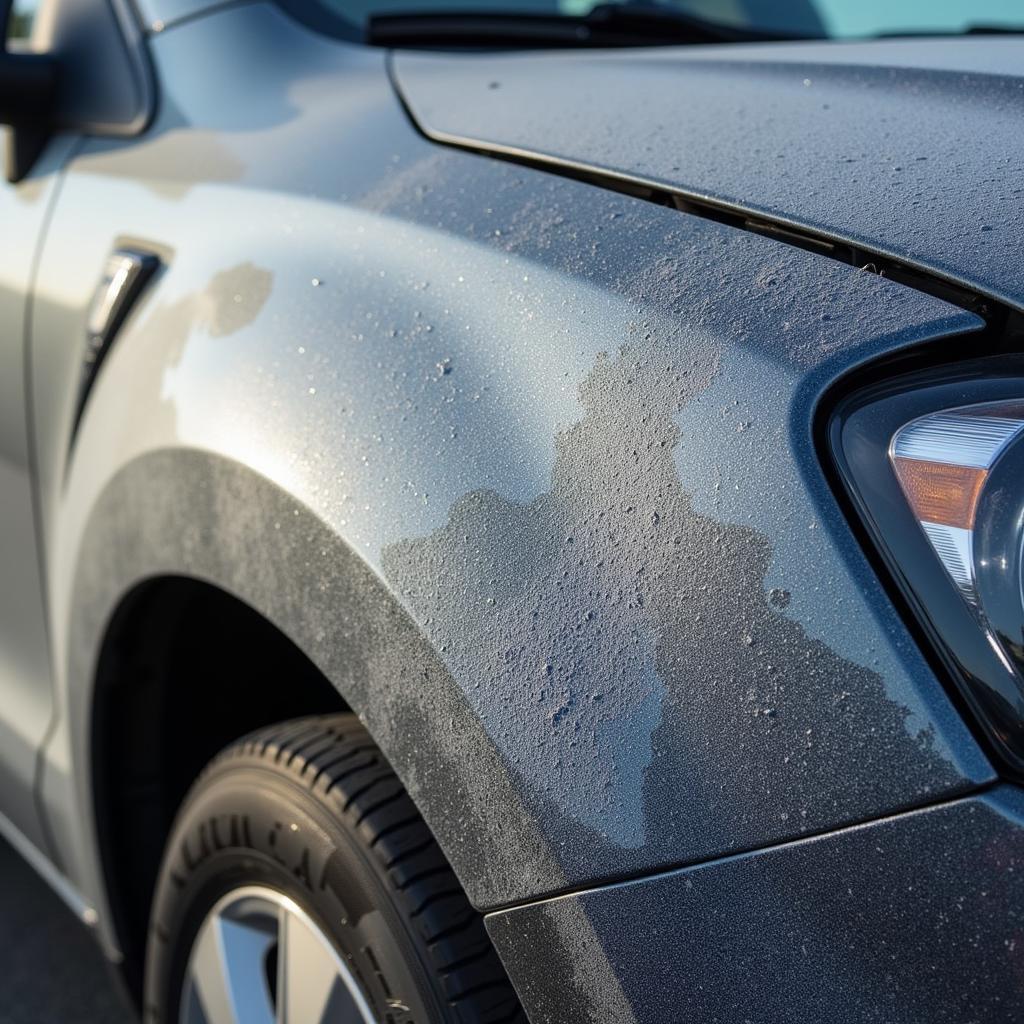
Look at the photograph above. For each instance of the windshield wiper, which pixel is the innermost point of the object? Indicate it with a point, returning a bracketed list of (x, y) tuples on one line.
[(624, 24), (942, 33)]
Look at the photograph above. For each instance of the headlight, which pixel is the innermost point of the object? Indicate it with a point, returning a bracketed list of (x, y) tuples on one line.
[(934, 463)]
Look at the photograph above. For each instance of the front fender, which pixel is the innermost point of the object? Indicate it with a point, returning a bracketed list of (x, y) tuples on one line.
[(525, 467)]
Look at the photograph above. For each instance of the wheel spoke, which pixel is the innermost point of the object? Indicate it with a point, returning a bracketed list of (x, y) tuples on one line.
[(309, 988), (229, 973), (227, 970)]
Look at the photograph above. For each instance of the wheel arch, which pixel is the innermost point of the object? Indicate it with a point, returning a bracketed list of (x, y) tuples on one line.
[(183, 670)]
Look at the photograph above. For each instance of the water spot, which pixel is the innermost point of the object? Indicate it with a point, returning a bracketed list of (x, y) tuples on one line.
[(556, 717)]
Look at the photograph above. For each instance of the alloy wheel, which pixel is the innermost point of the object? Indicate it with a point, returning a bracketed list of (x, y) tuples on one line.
[(258, 958)]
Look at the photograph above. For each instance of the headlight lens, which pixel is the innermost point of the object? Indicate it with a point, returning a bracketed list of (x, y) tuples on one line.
[(942, 461), (934, 463)]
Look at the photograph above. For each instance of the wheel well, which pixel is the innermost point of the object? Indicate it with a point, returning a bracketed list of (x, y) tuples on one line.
[(184, 670)]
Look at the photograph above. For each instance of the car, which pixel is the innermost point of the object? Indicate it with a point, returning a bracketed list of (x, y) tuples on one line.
[(513, 511)]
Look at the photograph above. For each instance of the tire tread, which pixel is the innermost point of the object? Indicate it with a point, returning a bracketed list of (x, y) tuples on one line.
[(334, 758)]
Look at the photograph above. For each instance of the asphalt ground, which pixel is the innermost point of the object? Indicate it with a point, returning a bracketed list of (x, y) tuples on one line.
[(51, 970)]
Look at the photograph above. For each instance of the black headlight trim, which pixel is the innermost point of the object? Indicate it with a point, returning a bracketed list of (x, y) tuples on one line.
[(860, 430)]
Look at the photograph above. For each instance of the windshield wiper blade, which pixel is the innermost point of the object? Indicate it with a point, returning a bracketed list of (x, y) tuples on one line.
[(942, 33), (612, 24)]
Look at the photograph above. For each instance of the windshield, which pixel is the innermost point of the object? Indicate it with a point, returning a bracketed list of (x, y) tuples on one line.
[(837, 19)]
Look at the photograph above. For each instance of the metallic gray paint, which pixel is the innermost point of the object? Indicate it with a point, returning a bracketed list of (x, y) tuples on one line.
[(910, 148), (25, 684), (525, 467), (917, 918)]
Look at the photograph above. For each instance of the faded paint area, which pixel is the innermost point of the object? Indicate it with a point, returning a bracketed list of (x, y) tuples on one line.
[(909, 920), (546, 605), (623, 650)]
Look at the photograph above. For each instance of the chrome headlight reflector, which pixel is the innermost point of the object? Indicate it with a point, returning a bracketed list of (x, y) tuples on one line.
[(942, 461)]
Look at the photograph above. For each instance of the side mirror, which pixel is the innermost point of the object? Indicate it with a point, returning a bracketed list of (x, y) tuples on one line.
[(28, 87), (90, 75)]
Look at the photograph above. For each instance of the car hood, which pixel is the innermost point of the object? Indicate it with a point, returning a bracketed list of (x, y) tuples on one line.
[(910, 148)]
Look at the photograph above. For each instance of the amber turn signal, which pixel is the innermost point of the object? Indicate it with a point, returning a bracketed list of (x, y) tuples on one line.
[(940, 493)]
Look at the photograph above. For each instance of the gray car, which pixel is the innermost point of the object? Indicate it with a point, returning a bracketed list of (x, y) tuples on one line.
[(516, 513)]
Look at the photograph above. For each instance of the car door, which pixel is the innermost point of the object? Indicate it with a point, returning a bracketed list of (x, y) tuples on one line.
[(26, 699)]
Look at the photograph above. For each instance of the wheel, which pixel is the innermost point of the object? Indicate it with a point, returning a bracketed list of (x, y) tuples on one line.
[(300, 886)]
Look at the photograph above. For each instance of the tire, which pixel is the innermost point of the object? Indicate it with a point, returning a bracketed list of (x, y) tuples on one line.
[(311, 810)]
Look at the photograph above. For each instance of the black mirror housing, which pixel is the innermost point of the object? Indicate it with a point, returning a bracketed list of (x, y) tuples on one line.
[(88, 72), (28, 87)]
